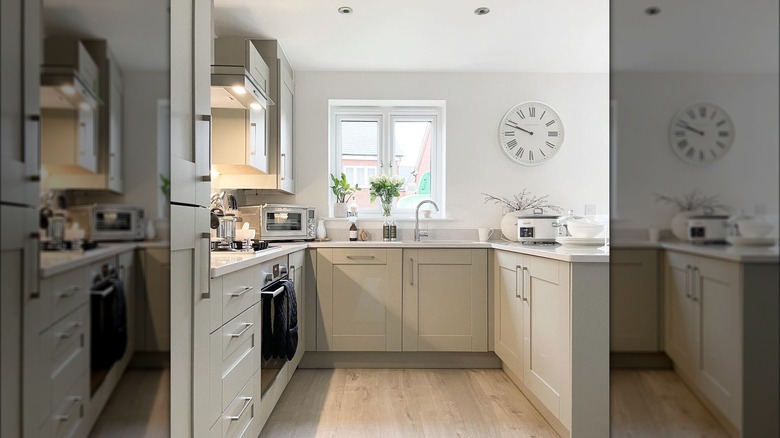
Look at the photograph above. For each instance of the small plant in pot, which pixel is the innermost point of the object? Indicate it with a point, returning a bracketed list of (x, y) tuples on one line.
[(521, 202), (343, 192), (688, 205)]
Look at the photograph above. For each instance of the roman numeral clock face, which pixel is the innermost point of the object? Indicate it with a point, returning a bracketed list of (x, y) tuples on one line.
[(701, 133), (530, 133)]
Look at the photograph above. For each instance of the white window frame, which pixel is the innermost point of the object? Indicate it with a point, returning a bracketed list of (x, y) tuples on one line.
[(386, 113)]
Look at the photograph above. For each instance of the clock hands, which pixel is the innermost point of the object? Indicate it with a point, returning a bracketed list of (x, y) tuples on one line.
[(517, 127), (685, 125)]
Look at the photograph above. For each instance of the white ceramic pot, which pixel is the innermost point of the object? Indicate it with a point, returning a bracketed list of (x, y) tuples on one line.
[(680, 225), (509, 225), (340, 209), (322, 233)]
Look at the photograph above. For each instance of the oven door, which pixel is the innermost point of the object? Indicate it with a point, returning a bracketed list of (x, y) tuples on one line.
[(271, 364), (283, 223)]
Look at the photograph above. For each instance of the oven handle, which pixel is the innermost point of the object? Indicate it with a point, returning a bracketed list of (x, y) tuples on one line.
[(102, 293), (273, 293)]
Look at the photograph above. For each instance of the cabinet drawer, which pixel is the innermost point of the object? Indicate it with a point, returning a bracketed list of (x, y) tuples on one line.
[(67, 353), (235, 357), (241, 418), (542, 268), (444, 256), (64, 293), (68, 412), (359, 256), (240, 290)]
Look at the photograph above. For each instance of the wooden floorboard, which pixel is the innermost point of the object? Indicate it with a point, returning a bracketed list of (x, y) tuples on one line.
[(404, 403), (656, 403)]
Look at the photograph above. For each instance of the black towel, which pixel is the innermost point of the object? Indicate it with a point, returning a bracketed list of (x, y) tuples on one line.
[(109, 324), (267, 349), (119, 332), (291, 343)]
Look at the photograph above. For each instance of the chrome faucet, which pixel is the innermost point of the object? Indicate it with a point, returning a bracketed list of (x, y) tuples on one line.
[(417, 232)]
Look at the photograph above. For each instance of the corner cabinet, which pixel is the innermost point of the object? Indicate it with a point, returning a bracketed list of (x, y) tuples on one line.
[(445, 300), (539, 314), (359, 299)]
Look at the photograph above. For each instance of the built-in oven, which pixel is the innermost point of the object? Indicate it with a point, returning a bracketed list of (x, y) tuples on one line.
[(273, 273), (108, 321)]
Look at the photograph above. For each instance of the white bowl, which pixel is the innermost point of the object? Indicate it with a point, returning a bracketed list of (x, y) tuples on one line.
[(584, 229), (753, 228)]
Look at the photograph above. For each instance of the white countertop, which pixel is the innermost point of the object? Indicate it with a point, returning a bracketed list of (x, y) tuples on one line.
[(57, 262), (225, 263), (733, 253)]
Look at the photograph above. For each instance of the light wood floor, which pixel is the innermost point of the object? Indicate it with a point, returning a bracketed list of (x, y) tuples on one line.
[(404, 403), (656, 403), (139, 407)]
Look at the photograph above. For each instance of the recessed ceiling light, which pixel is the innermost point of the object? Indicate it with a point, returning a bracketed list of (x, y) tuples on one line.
[(482, 11), (653, 10), (346, 10)]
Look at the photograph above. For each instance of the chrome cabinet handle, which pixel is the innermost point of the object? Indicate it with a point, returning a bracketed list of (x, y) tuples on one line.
[(688, 281), (411, 270), (247, 326), (206, 293), (360, 257), (695, 292), (69, 292), (32, 280), (282, 162), (247, 402), (242, 291), (70, 332), (74, 401), (518, 276), (252, 145), (525, 292)]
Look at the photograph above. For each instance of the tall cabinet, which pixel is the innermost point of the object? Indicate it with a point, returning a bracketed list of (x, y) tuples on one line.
[(191, 56), (19, 152)]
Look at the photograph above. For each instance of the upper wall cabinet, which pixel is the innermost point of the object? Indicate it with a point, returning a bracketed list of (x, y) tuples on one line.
[(239, 102), (98, 134), (281, 173)]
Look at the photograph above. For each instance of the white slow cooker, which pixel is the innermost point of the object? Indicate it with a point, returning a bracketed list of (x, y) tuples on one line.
[(537, 227), (708, 228)]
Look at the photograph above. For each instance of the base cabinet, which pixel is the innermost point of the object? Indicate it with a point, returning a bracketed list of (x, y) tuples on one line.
[(153, 320), (359, 299), (634, 300), (445, 300)]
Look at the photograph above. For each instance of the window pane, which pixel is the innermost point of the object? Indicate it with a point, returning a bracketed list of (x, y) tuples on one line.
[(413, 160), (359, 154)]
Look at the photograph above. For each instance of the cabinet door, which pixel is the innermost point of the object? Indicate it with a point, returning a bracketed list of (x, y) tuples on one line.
[(285, 108), (257, 150), (546, 329), (634, 298), (115, 178), (157, 321), (359, 299), (681, 313), (508, 314), (445, 300), (716, 294), (87, 138), (297, 261)]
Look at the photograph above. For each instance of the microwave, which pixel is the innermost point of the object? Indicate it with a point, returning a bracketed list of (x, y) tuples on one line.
[(279, 222), (110, 222)]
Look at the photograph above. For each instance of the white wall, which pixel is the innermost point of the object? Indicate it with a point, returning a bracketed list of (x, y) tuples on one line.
[(475, 104), (746, 177)]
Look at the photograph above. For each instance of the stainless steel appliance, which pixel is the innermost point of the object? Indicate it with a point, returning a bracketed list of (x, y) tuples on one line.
[(273, 273), (708, 228), (537, 228), (110, 222), (280, 222)]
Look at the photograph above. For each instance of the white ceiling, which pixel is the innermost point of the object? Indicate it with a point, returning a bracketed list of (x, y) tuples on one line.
[(695, 36), (429, 35), (137, 31)]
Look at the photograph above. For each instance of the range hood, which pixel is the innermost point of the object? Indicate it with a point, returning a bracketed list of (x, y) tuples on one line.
[(233, 87), (63, 88)]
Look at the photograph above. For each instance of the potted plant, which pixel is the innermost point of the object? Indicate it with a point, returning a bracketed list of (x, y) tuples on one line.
[(343, 192), (689, 204), (385, 188), (523, 201)]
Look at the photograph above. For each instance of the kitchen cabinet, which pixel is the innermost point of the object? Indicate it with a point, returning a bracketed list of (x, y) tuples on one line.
[(634, 300), (703, 327), (445, 300), (550, 325), (281, 176), (153, 320), (69, 108), (359, 295), (297, 270), (240, 118)]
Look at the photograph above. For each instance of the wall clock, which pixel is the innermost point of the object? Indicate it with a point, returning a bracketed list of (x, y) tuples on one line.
[(531, 133), (701, 133)]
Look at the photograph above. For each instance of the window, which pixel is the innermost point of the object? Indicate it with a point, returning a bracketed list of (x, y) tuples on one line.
[(391, 138)]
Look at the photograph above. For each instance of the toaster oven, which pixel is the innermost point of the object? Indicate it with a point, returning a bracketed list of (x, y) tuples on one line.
[(110, 222), (279, 222)]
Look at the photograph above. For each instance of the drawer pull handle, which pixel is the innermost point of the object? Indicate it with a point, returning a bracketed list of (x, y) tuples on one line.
[(695, 291), (69, 292), (525, 292), (411, 270), (74, 401), (518, 279), (70, 332), (247, 402), (360, 257), (247, 326), (242, 291)]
